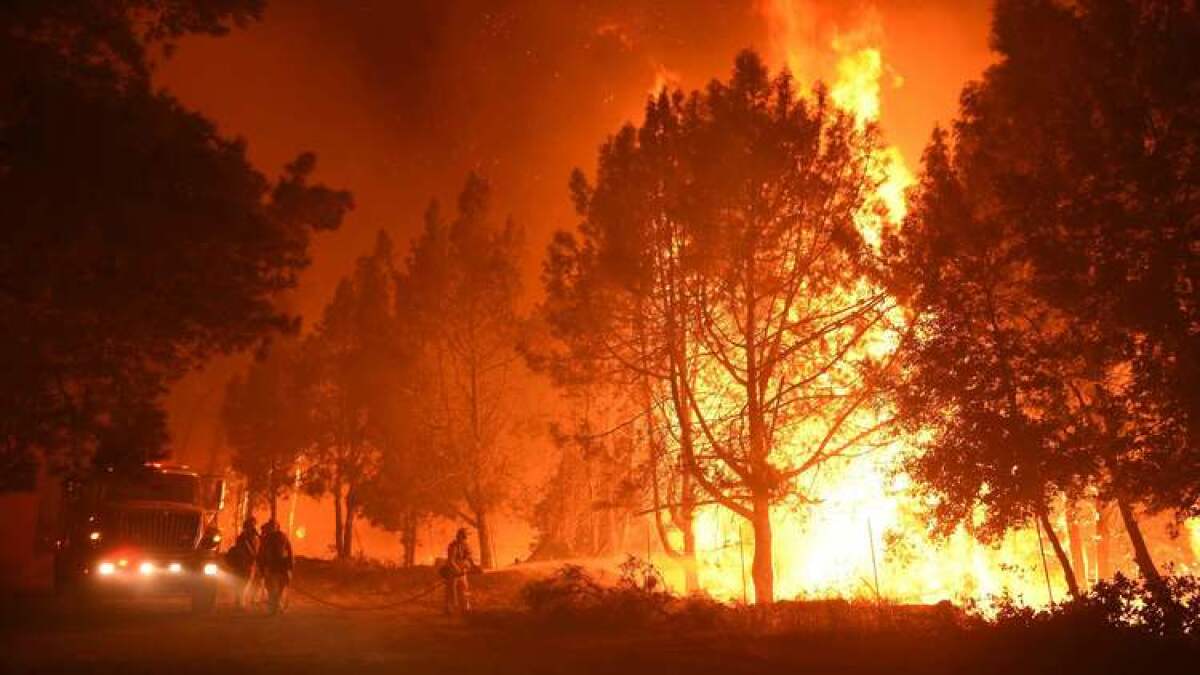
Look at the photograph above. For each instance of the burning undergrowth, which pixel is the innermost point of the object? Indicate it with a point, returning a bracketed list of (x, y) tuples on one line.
[(572, 599)]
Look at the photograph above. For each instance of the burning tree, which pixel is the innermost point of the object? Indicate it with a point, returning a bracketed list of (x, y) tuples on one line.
[(727, 226), (617, 301), (784, 316)]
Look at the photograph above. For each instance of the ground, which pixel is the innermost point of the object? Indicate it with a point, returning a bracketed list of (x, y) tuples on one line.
[(39, 634)]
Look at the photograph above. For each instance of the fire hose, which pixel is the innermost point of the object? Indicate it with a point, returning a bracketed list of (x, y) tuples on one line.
[(369, 608)]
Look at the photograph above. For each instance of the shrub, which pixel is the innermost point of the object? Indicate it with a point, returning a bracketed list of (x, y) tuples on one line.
[(572, 598), (1122, 604)]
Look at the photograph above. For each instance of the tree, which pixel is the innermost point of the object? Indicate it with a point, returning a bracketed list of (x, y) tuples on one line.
[(137, 242), (407, 490), (263, 422), (589, 499), (404, 492), (460, 291), (1111, 161), (618, 303), (727, 227), (784, 313), (346, 379), (1083, 136), (986, 386)]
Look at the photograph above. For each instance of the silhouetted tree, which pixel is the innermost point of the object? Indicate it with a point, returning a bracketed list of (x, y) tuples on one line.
[(460, 293), (617, 308), (987, 380), (264, 422), (346, 377), (137, 241), (1106, 98), (1083, 137), (408, 489)]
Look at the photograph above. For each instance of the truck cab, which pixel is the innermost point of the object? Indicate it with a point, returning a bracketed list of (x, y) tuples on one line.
[(150, 529)]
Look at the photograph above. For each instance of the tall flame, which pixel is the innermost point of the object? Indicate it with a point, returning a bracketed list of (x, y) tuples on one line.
[(863, 538), (812, 47)]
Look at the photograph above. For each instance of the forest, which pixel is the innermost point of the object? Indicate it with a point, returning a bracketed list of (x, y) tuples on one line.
[(762, 356)]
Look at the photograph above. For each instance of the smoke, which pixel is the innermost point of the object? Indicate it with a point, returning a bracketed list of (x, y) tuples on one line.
[(401, 99)]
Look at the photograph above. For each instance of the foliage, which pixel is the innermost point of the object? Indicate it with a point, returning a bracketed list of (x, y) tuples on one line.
[(719, 274), (459, 295), (587, 502), (137, 241), (1118, 604), (262, 414), (1085, 132), (990, 377), (1050, 264), (347, 373), (571, 598)]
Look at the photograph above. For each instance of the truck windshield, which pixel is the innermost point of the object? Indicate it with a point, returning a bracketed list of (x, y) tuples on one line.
[(151, 486)]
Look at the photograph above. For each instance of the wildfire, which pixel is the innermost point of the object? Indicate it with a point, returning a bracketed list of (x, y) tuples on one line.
[(862, 537)]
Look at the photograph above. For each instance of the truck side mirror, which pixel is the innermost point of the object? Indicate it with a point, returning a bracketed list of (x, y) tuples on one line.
[(214, 494)]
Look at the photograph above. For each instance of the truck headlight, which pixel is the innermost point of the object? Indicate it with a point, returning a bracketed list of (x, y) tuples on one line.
[(210, 569), (146, 568), (106, 568), (174, 568)]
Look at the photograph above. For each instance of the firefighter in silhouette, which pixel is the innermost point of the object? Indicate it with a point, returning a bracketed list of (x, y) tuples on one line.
[(275, 564), (459, 563), (242, 560)]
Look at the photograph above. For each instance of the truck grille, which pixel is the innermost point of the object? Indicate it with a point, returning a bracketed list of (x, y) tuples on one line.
[(156, 529)]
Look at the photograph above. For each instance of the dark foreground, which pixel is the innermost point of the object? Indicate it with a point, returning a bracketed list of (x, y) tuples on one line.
[(38, 635)]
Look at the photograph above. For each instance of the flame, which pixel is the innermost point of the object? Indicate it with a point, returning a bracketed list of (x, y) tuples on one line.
[(663, 78), (864, 537), (854, 63)]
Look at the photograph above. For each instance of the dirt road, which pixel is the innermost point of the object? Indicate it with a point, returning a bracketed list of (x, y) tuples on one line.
[(162, 637)]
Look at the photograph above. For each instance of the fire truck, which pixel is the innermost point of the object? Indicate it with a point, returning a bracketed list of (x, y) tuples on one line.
[(138, 531)]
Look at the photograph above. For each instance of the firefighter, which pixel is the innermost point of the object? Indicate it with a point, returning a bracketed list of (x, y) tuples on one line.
[(459, 562), (275, 564), (242, 559)]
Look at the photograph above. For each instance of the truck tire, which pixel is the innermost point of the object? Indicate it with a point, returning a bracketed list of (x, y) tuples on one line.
[(204, 599), (62, 577), (69, 585)]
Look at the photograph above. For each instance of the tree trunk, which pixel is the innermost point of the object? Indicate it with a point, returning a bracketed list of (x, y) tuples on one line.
[(348, 528), (1173, 613), (272, 493), (485, 539), (1104, 566), (691, 577), (337, 522), (408, 540), (761, 569), (1141, 554), (685, 518), (1075, 537), (1064, 560)]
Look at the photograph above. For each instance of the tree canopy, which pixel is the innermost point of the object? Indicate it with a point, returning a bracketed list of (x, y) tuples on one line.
[(137, 241)]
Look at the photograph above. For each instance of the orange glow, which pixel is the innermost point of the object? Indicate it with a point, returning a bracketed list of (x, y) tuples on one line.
[(866, 524)]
